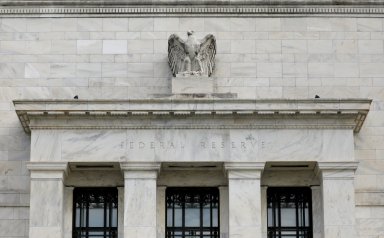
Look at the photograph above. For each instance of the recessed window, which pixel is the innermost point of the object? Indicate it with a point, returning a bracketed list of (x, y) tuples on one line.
[(192, 212), (289, 212), (95, 213)]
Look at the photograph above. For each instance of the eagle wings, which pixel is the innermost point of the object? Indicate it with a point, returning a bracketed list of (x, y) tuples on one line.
[(192, 57)]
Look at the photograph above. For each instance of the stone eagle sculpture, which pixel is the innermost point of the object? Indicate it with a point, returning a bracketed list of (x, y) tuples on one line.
[(191, 57)]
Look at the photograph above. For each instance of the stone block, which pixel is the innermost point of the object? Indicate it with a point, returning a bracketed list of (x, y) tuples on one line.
[(195, 24), (115, 24), (268, 46), (38, 47), (371, 70), (191, 85), (37, 70), (295, 70), (216, 24), (370, 46), (166, 24), (293, 24), (13, 228), (243, 46), (319, 24), (268, 24), (12, 47), (242, 24), (161, 46), (89, 46), (140, 46), (294, 46), (89, 24), (269, 70), (243, 69), (140, 70), (154, 36), (343, 24), (320, 46), (345, 46), (39, 25), (78, 35), (102, 35), (346, 70), (369, 24), (320, 70), (141, 24), (64, 24), (114, 46), (13, 25), (64, 47), (88, 70), (63, 70), (50, 35), (114, 70), (11, 70)]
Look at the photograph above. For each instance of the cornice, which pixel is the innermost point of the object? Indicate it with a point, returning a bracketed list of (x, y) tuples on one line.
[(192, 114), (206, 8)]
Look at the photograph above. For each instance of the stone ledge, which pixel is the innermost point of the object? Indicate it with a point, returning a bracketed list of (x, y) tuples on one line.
[(120, 3), (201, 8), (192, 113)]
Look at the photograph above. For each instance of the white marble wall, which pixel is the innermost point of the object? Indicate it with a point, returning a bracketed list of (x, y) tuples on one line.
[(264, 57)]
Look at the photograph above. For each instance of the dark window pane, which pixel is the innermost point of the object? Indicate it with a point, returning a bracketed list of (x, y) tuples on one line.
[(192, 212), (95, 213), (289, 212)]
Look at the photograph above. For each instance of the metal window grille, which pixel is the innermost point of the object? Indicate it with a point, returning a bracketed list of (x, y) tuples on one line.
[(192, 213), (95, 213), (289, 212)]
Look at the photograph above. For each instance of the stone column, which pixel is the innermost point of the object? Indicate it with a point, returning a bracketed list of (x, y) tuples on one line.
[(140, 199), (160, 211), (317, 212), (120, 211), (244, 199), (338, 197), (68, 211), (47, 199), (224, 216), (264, 211)]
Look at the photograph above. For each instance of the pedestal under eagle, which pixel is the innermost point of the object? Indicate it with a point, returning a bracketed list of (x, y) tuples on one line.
[(191, 57)]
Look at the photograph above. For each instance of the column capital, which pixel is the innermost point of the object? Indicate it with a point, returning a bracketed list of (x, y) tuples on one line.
[(336, 170), (347, 165), (244, 170), (48, 170), (140, 170)]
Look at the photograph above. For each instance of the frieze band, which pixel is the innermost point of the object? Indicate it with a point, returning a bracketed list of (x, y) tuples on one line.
[(233, 11)]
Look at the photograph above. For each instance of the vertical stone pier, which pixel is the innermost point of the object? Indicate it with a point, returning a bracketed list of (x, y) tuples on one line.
[(140, 199), (244, 199), (338, 193), (47, 199)]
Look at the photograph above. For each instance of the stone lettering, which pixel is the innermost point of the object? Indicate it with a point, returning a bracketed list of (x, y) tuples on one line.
[(210, 144)]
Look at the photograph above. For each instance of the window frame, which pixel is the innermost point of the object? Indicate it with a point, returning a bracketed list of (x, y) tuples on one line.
[(275, 230), (81, 194), (194, 231)]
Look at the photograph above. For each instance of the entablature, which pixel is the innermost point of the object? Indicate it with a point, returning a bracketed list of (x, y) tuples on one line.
[(234, 8), (192, 113)]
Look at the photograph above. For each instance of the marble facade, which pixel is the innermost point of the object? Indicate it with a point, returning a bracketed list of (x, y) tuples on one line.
[(253, 124)]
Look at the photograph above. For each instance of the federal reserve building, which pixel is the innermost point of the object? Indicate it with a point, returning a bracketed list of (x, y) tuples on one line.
[(191, 118)]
